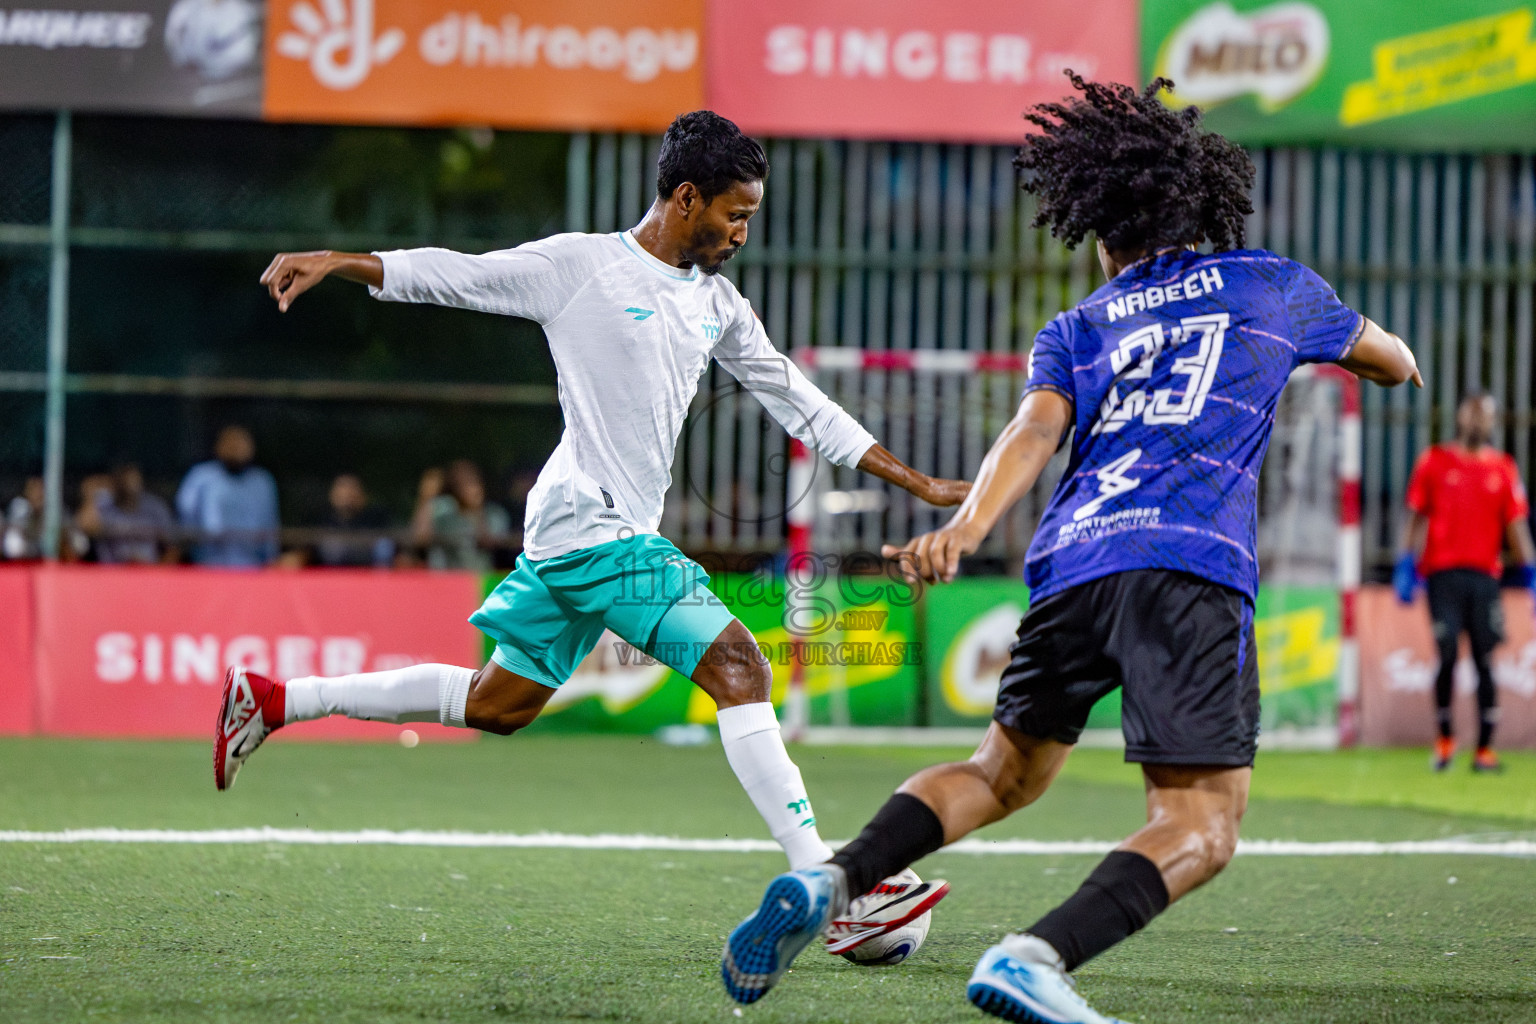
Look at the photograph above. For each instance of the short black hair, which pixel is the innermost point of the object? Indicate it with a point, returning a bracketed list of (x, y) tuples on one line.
[(710, 151), (1140, 176)]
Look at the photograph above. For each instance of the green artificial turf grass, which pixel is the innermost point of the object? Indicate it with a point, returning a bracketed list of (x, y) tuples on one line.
[(229, 933), (588, 784), (273, 932)]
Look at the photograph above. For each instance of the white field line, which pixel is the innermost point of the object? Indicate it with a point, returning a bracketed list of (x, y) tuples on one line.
[(562, 841)]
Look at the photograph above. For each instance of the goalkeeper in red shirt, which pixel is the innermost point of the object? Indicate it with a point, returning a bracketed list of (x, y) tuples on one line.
[(1466, 501)]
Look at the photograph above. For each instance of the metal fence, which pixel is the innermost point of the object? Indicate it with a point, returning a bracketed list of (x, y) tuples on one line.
[(1438, 248), (897, 246), (875, 245)]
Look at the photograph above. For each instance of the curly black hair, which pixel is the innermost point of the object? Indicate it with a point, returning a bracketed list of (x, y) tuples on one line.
[(710, 151), (1138, 175)]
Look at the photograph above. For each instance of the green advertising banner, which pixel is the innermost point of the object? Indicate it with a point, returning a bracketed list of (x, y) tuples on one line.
[(972, 623), (859, 640), (1430, 74)]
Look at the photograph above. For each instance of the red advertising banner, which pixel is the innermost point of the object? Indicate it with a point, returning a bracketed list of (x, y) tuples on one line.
[(17, 663), (1397, 674), (630, 65), (907, 69), (142, 651)]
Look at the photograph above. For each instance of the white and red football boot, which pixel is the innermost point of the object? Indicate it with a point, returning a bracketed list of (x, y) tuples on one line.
[(251, 709), (886, 907)]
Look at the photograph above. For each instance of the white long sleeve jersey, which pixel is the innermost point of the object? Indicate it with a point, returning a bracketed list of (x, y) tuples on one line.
[(631, 336)]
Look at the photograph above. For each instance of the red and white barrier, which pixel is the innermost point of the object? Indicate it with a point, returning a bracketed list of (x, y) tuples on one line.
[(801, 518), (1350, 549), (920, 360)]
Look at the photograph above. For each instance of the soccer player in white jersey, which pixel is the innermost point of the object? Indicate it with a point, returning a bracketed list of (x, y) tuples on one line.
[(633, 319)]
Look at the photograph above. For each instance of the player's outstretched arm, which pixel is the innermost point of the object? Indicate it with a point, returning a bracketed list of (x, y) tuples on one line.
[(291, 274), (1520, 544), (877, 461), (1382, 358), (1011, 467)]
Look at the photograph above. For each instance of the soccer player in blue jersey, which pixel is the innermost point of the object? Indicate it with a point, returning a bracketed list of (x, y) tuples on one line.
[(1143, 569)]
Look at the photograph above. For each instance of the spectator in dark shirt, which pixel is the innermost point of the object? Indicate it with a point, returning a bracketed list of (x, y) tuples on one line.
[(353, 529), (519, 484), (126, 523)]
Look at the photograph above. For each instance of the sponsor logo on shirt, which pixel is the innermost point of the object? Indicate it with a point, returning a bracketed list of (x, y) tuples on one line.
[(1112, 483), (640, 314)]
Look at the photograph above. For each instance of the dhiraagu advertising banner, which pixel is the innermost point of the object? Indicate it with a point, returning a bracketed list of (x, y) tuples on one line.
[(859, 639), (972, 623), (1426, 74)]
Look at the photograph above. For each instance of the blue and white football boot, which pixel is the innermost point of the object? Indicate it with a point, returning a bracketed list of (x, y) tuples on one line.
[(1022, 979), (795, 909)]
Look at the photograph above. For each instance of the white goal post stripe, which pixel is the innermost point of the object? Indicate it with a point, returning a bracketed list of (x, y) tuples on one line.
[(610, 841)]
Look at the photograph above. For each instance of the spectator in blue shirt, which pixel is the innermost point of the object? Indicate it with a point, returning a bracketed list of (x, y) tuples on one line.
[(229, 505)]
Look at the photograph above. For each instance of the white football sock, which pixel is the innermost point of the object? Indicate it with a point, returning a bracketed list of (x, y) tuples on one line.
[(420, 693), (753, 746), (1032, 949)]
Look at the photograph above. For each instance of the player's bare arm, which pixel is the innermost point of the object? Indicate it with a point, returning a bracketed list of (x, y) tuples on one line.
[(1011, 467), (934, 490), (1382, 358), (1520, 542), (291, 274), (1414, 532)]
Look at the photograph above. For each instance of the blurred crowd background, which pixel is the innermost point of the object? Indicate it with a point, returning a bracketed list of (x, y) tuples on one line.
[(227, 512)]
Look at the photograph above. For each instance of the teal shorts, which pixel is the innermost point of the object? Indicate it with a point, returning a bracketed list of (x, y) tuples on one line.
[(548, 614)]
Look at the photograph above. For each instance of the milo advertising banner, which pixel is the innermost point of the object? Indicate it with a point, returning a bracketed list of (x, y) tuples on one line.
[(1431, 74), (858, 637), (971, 623)]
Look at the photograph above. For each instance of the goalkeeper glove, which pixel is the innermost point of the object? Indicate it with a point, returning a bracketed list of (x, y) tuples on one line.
[(1405, 578)]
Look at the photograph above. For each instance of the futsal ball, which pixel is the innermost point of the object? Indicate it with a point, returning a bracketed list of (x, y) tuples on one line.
[(892, 948)]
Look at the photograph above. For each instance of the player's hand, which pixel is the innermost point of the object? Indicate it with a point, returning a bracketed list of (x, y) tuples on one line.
[(944, 493), (1526, 574), (1405, 578), (291, 274), (935, 556), (1417, 378)]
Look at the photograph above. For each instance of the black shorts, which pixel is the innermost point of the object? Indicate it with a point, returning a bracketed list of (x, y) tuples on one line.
[(1182, 647), (1465, 601)]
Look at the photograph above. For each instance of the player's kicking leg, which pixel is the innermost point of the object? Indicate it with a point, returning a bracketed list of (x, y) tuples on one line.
[(1192, 829), (252, 707), (1174, 643)]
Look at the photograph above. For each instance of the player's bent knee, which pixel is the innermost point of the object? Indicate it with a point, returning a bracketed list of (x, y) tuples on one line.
[(501, 702), (735, 674), (1013, 790), (1221, 845), (1215, 841), (504, 723)]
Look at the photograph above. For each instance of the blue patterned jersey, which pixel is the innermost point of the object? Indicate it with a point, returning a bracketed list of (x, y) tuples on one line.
[(1173, 370)]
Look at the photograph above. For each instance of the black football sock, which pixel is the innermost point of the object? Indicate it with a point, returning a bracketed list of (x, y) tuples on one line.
[(1124, 892), (1445, 680), (1487, 702), (1487, 721), (902, 832)]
